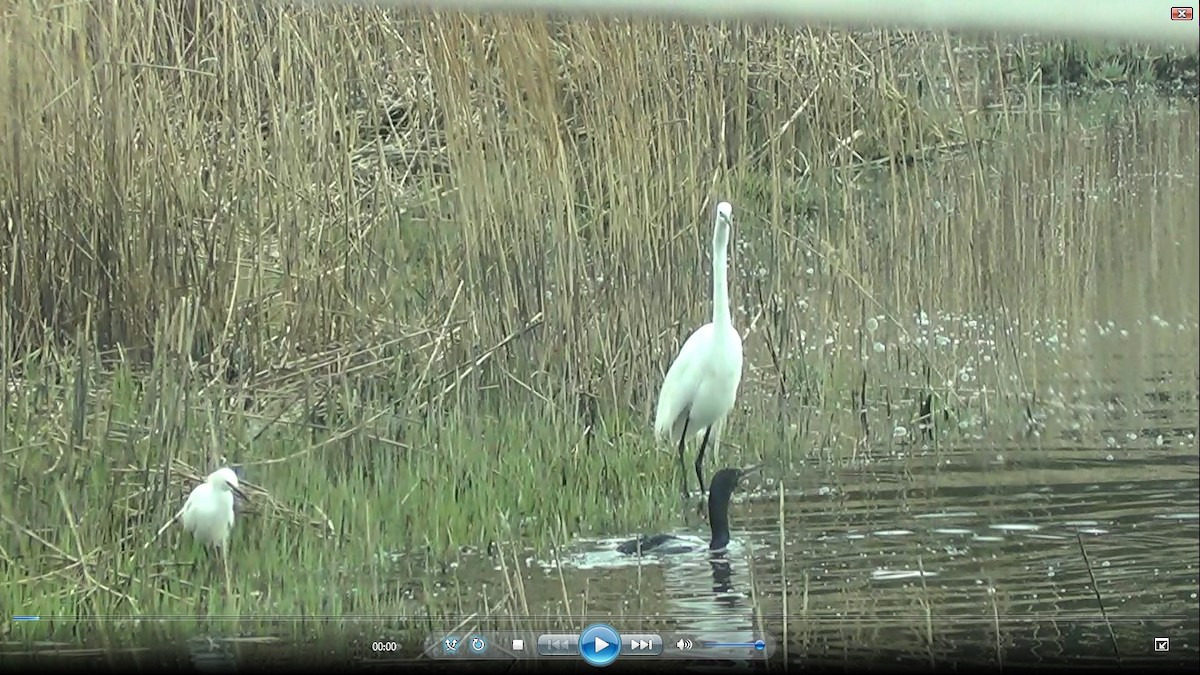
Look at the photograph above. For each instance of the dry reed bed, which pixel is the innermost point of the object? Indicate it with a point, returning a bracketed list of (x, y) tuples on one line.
[(293, 204), (286, 183)]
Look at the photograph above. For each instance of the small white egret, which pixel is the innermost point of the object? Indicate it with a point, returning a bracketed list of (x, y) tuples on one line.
[(208, 512), (701, 385)]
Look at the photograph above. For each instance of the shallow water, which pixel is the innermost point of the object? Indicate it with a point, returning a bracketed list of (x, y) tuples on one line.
[(932, 556), (1067, 541)]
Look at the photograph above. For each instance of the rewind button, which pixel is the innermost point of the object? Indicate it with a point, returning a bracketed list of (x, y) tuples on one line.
[(643, 644), (558, 644)]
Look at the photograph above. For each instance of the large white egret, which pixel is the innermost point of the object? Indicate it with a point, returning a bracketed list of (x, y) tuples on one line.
[(701, 384)]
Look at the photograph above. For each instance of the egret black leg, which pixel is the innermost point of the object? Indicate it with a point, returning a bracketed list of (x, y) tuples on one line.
[(682, 468), (700, 460)]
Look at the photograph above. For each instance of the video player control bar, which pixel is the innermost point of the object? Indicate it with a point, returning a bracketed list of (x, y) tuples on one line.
[(598, 645)]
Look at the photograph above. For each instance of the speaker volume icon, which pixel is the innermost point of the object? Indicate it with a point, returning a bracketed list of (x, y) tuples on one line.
[(684, 644)]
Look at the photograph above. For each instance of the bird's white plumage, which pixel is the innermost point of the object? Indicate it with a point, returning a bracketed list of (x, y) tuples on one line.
[(701, 385), (701, 382), (208, 512)]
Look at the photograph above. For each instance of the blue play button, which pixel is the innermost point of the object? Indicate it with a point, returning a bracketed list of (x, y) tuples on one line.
[(599, 644)]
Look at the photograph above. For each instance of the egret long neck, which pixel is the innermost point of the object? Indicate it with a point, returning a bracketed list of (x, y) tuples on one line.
[(720, 262)]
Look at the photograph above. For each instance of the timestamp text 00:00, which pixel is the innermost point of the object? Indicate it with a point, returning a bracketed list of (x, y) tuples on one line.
[(384, 646)]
